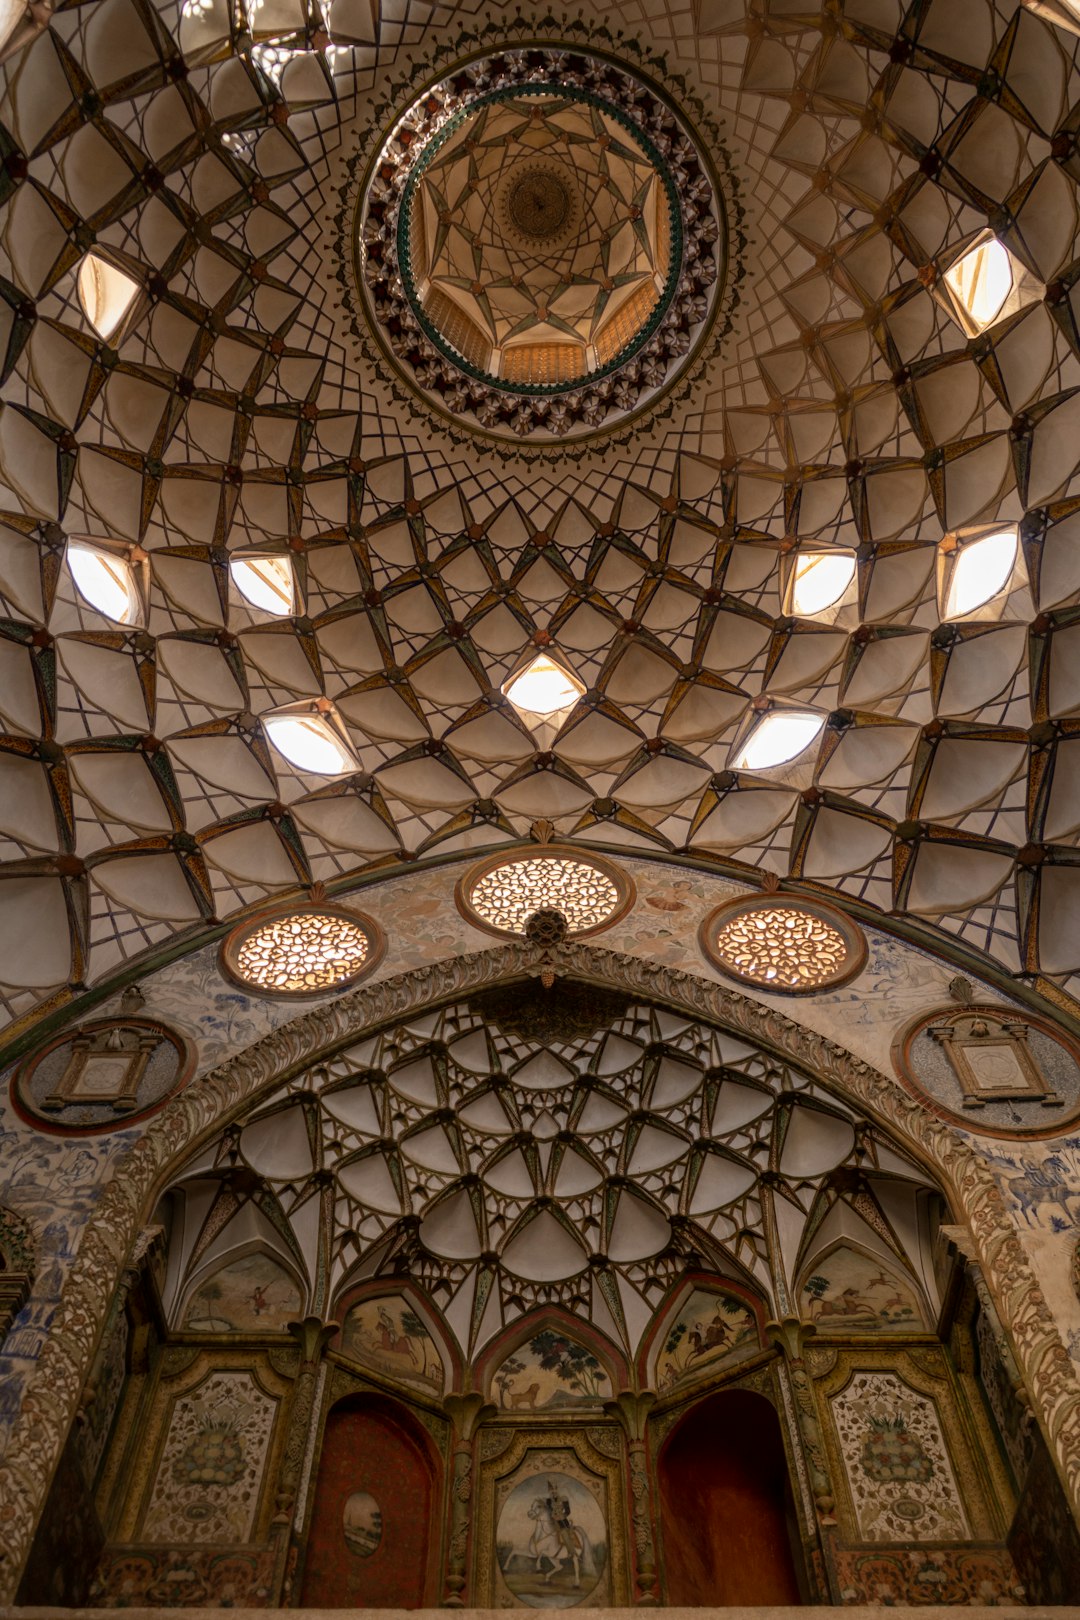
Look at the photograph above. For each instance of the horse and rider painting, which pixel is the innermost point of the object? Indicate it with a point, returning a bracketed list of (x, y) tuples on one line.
[(551, 1541)]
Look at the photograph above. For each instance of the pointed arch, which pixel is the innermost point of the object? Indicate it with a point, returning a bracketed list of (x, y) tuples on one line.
[(561, 1360), (984, 1227)]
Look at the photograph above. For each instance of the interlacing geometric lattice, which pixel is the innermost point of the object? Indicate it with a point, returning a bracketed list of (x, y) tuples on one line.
[(530, 318), (303, 953), (567, 1146), (506, 896), (782, 946), (846, 409)]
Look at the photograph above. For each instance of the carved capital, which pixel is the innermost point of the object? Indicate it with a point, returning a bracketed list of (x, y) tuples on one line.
[(312, 1335), (631, 1409), (466, 1413)]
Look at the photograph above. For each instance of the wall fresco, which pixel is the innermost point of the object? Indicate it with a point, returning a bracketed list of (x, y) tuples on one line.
[(551, 1541), (210, 1475), (551, 1370), (901, 1478), (710, 1328), (388, 1334), (253, 1294), (847, 1291), (184, 1577), (939, 1575)]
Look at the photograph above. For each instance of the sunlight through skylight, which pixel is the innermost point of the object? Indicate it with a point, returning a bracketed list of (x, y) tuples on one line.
[(311, 742), (981, 280), (105, 293), (106, 580), (980, 572), (266, 582), (821, 578), (777, 739), (544, 687)]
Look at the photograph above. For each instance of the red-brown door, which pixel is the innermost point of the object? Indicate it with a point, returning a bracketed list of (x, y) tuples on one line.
[(724, 1506), (373, 1541)]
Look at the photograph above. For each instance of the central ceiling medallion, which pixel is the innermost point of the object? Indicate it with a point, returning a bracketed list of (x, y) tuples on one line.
[(539, 203), (540, 244)]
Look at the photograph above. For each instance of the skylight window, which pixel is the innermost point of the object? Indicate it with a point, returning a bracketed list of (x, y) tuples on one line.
[(267, 582), (819, 581), (1065, 13), (107, 294), (107, 579), (545, 687), (984, 283), (779, 737), (312, 737), (975, 573), (12, 13)]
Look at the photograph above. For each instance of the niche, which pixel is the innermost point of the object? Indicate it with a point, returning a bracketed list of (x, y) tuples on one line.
[(726, 1517), (373, 1542)]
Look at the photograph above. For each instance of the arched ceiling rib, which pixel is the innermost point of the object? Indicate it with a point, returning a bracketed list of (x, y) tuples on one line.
[(138, 797)]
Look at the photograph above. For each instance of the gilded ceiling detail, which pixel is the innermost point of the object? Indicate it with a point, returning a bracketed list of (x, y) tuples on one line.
[(849, 529)]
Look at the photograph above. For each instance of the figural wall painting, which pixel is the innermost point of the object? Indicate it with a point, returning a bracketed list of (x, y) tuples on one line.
[(851, 1292), (711, 1326), (551, 1538), (387, 1334), (550, 1371), (251, 1295)]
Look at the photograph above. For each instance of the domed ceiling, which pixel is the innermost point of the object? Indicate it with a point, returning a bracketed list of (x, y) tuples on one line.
[(815, 573)]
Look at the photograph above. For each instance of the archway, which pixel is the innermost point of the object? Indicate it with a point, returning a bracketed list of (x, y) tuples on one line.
[(58, 1377), (372, 1540), (725, 1506)]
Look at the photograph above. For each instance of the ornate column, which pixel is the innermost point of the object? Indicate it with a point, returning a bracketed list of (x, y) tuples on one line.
[(632, 1411), (466, 1413), (790, 1336), (312, 1335)]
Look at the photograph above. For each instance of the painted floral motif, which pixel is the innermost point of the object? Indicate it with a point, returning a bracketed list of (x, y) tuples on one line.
[(902, 1482), (208, 1479), (214, 1457), (889, 1453)]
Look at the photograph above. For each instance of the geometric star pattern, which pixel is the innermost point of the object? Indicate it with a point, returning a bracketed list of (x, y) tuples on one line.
[(507, 1167), (139, 799)]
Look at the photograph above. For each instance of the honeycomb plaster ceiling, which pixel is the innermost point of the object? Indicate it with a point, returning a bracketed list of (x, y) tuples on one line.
[(138, 798), (511, 1154)]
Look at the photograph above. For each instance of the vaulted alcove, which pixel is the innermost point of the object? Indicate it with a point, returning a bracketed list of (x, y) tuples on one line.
[(728, 1531)]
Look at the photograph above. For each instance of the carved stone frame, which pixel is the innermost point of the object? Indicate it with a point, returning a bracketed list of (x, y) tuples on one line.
[(53, 1388)]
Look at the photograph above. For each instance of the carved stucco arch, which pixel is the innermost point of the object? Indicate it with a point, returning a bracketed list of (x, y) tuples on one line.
[(53, 1389)]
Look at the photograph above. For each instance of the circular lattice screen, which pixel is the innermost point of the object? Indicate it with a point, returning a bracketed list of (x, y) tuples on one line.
[(503, 893), (778, 944), (303, 952)]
